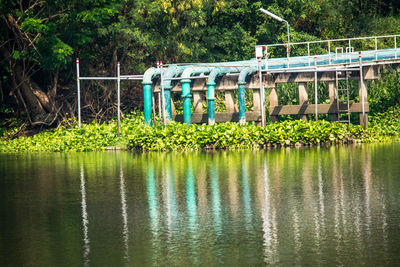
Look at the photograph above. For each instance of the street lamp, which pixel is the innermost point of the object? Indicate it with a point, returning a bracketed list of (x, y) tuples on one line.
[(272, 15)]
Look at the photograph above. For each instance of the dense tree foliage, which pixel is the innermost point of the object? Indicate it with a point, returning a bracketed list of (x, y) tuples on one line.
[(40, 39)]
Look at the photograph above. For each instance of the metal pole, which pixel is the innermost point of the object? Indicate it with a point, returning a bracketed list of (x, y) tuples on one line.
[(288, 40), (329, 51), (159, 98), (159, 106), (162, 95), (362, 89), (119, 94), (316, 88), (79, 92), (261, 94)]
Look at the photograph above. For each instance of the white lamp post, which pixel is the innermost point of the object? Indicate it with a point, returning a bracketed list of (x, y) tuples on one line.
[(272, 15)]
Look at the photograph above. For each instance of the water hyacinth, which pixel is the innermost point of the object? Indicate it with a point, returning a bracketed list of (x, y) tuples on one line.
[(181, 137)]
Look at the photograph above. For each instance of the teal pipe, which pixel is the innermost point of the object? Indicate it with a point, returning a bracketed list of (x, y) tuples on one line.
[(242, 92), (211, 89), (185, 81), (147, 102), (211, 102), (172, 71), (187, 116)]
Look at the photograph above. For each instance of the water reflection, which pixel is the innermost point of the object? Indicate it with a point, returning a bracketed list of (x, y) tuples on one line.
[(124, 212), (282, 207), (85, 220)]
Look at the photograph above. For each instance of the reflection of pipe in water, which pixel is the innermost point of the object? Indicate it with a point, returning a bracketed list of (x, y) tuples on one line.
[(366, 171), (191, 207), (191, 197), (320, 213), (269, 223), (216, 202), (153, 206), (85, 220), (169, 195), (246, 194), (125, 230)]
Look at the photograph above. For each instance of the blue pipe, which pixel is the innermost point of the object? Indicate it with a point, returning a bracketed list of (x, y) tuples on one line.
[(242, 93), (185, 81), (147, 103), (211, 89), (172, 71)]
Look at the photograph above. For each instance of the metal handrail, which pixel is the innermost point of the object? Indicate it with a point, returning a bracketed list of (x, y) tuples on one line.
[(332, 40), (329, 43)]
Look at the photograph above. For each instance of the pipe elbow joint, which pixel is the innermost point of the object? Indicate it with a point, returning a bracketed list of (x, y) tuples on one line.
[(149, 74)]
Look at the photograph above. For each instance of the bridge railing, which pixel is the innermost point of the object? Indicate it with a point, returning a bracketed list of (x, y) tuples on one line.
[(333, 48)]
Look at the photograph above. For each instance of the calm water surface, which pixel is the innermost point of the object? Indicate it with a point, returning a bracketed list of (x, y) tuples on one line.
[(309, 207)]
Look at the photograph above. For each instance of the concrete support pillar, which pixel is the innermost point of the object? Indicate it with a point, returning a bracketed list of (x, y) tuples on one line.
[(172, 105), (197, 102), (362, 85), (303, 98), (256, 100), (230, 102), (273, 101), (333, 93)]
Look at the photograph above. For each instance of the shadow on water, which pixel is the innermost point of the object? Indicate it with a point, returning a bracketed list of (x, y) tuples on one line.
[(321, 206)]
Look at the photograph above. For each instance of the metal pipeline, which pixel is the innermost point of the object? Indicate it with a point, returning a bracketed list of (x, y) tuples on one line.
[(211, 88), (171, 72), (147, 83), (185, 81), (242, 93)]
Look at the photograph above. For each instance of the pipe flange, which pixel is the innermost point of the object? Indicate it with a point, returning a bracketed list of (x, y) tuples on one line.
[(187, 96)]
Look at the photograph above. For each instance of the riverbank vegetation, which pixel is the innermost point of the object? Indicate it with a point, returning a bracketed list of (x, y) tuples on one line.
[(180, 137)]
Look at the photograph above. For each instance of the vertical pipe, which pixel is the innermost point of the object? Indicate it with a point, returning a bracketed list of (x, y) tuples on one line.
[(242, 105), (308, 53), (262, 109), (376, 48), (395, 47), (119, 94), (211, 103), (79, 92), (316, 88), (187, 105), (147, 103)]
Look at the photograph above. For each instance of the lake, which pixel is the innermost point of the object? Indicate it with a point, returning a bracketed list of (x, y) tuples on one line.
[(321, 206)]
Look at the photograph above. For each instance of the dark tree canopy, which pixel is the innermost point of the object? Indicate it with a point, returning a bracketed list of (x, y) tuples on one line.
[(40, 39)]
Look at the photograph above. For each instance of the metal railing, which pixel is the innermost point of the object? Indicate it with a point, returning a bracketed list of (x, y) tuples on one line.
[(118, 78), (345, 44)]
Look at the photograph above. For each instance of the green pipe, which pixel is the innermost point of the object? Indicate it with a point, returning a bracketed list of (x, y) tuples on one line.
[(147, 103), (242, 103), (211, 102), (187, 106)]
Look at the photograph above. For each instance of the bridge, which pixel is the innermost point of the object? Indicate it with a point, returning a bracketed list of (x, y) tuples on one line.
[(338, 60)]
